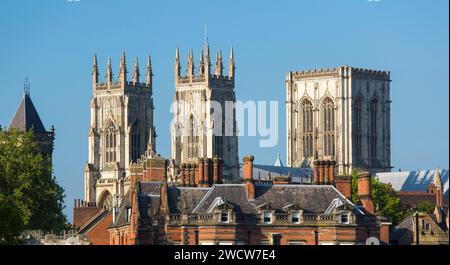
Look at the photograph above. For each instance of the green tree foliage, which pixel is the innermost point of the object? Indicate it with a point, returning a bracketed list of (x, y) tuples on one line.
[(385, 199), (355, 197), (30, 197), (426, 207)]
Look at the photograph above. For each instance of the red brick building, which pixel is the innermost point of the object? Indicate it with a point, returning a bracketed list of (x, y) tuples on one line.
[(201, 210)]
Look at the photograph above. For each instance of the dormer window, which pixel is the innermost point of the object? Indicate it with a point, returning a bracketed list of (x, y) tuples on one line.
[(224, 217), (267, 217), (345, 218), (295, 218)]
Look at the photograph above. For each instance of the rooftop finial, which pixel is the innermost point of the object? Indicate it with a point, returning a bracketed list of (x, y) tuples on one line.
[(26, 87), (136, 72), (177, 63), (206, 36), (190, 66), (95, 70), (109, 71), (123, 69), (231, 67), (149, 71)]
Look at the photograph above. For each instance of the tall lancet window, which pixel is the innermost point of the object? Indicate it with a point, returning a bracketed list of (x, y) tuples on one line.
[(358, 126), (307, 128), (373, 128), (110, 143), (192, 138), (135, 142), (328, 127)]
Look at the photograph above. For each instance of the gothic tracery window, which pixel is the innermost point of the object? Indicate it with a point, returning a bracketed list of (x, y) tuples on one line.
[(373, 128), (358, 126), (135, 142), (307, 128), (328, 127), (192, 138), (110, 143)]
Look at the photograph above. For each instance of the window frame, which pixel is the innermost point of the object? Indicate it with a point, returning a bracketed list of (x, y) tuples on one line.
[(298, 217), (347, 215), (270, 216), (222, 214)]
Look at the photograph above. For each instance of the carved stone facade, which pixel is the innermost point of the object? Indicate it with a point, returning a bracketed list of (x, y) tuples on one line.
[(340, 114), (121, 131), (197, 130)]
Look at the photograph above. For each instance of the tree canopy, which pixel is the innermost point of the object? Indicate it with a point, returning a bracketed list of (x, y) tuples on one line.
[(30, 197), (385, 199)]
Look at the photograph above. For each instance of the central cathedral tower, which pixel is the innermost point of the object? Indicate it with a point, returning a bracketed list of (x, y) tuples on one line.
[(202, 128)]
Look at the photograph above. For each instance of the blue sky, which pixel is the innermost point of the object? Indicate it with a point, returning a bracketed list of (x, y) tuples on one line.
[(52, 43)]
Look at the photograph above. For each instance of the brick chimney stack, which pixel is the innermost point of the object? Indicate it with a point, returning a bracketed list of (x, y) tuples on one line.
[(183, 175), (364, 189), (316, 171), (215, 170), (321, 166), (331, 172), (200, 173), (326, 166), (206, 172), (247, 178)]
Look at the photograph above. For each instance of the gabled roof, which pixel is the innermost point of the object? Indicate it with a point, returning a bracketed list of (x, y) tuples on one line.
[(26, 117)]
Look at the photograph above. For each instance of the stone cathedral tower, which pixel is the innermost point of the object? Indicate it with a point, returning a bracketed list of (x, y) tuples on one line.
[(341, 114), (121, 130), (200, 129)]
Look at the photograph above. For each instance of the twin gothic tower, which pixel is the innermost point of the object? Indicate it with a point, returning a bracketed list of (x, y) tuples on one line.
[(122, 127), (202, 127), (121, 130)]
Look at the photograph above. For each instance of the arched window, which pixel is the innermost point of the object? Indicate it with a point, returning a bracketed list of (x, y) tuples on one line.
[(192, 138), (358, 132), (328, 127), (307, 128), (136, 151), (106, 200), (110, 143), (373, 127)]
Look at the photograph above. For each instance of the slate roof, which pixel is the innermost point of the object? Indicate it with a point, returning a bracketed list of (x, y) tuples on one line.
[(149, 198), (262, 172), (310, 198), (26, 117), (184, 199), (413, 180)]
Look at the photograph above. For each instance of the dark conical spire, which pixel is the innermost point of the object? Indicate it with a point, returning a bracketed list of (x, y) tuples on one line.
[(26, 116)]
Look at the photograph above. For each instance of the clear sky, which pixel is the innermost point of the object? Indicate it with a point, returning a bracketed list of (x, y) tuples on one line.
[(52, 43)]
